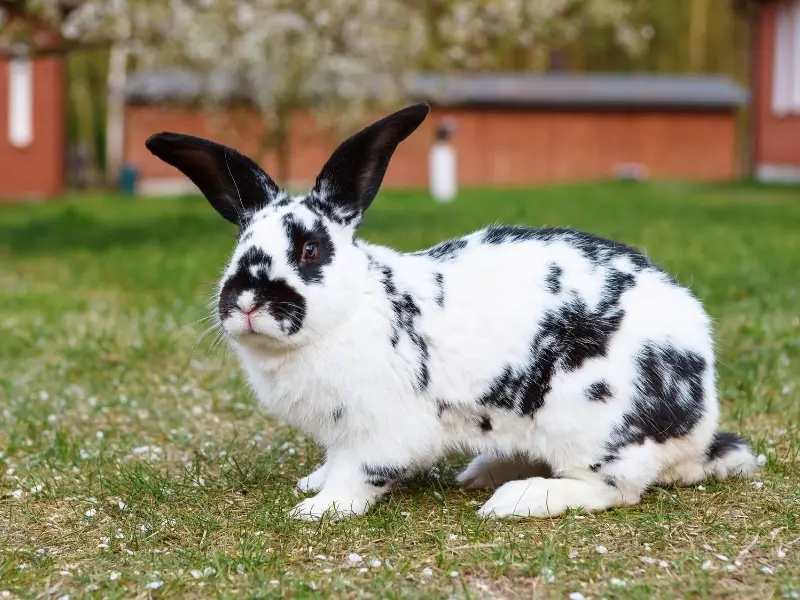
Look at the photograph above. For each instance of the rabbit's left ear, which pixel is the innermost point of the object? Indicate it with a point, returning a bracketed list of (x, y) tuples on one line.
[(351, 178), (234, 185)]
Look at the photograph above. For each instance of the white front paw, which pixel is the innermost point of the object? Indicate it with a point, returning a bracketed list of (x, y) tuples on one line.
[(312, 509), (312, 482)]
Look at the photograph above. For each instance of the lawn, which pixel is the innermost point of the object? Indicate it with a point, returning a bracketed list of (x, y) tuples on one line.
[(134, 462)]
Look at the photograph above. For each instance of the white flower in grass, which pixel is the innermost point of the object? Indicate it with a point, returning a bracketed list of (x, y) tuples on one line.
[(707, 565), (196, 573), (114, 575), (354, 558), (577, 596), (16, 494), (618, 582), (601, 550), (427, 572), (91, 512), (154, 585), (548, 575)]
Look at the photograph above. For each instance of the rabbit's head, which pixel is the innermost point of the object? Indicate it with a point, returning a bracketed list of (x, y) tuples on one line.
[(295, 273)]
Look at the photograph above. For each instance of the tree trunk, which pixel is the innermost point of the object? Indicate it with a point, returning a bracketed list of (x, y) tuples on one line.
[(115, 110)]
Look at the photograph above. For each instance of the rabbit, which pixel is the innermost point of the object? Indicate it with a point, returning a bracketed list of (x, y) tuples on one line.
[(574, 370)]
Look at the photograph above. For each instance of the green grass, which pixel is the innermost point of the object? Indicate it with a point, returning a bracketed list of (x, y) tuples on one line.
[(131, 454)]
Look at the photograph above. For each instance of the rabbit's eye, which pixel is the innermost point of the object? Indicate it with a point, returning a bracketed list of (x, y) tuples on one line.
[(310, 251)]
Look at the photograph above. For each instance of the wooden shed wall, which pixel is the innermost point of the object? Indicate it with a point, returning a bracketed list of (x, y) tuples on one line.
[(38, 170), (495, 146)]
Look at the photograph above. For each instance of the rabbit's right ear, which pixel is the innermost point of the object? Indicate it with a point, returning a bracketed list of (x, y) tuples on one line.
[(234, 185)]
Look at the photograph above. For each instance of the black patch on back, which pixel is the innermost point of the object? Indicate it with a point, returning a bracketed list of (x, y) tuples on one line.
[(598, 250), (338, 413), (668, 400), (299, 235), (553, 280), (439, 278), (485, 424), (567, 336), (444, 251), (283, 302), (379, 476), (723, 444), (406, 311), (599, 391)]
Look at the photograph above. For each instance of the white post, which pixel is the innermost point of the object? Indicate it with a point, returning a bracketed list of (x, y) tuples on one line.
[(442, 165), (20, 101)]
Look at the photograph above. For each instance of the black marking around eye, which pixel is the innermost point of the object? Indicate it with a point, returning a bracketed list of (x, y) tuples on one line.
[(444, 251), (553, 280), (406, 311), (439, 279), (668, 399), (299, 234), (567, 336), (599, 391)]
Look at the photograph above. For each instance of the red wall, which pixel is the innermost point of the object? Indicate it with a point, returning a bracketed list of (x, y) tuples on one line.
[(495, 146), (777, 139), (38, 170)]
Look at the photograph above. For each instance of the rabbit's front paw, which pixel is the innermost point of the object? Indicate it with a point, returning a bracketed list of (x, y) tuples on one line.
[(314, 481), (330, 505)]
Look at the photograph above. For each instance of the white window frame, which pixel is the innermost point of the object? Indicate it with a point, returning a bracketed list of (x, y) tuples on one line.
[(20, 101), (786, 60)]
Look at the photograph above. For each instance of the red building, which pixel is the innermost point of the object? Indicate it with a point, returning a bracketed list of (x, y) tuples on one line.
[(513, 129), (775, 84), (32, 104)]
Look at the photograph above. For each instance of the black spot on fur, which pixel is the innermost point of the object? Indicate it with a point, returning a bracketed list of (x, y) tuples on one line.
[(668, 399), (442, 406), (381, 475), (553, 280), (338, 413), (595, 466), (340, 214), (439, 278), (283, 302), (299, 235), (567, 336), (598, 391), (406, 311), (485, 424), (610, 481), (444, 251), (245, 236), (723, 444)]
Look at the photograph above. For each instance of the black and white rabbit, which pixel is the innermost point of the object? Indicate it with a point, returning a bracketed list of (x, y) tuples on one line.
[(527, 347)]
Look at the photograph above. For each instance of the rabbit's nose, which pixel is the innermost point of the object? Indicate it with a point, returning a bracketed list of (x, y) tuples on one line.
[(246, 302)]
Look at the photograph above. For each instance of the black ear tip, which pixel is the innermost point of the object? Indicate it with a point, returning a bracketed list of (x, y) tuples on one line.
[(158, 141), (420, 110)]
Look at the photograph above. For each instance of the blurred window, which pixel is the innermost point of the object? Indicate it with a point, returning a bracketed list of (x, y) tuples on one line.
[(20, 101), (786, 64)]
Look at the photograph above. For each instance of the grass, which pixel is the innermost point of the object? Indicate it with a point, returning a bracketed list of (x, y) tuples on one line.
[(134, 463)]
